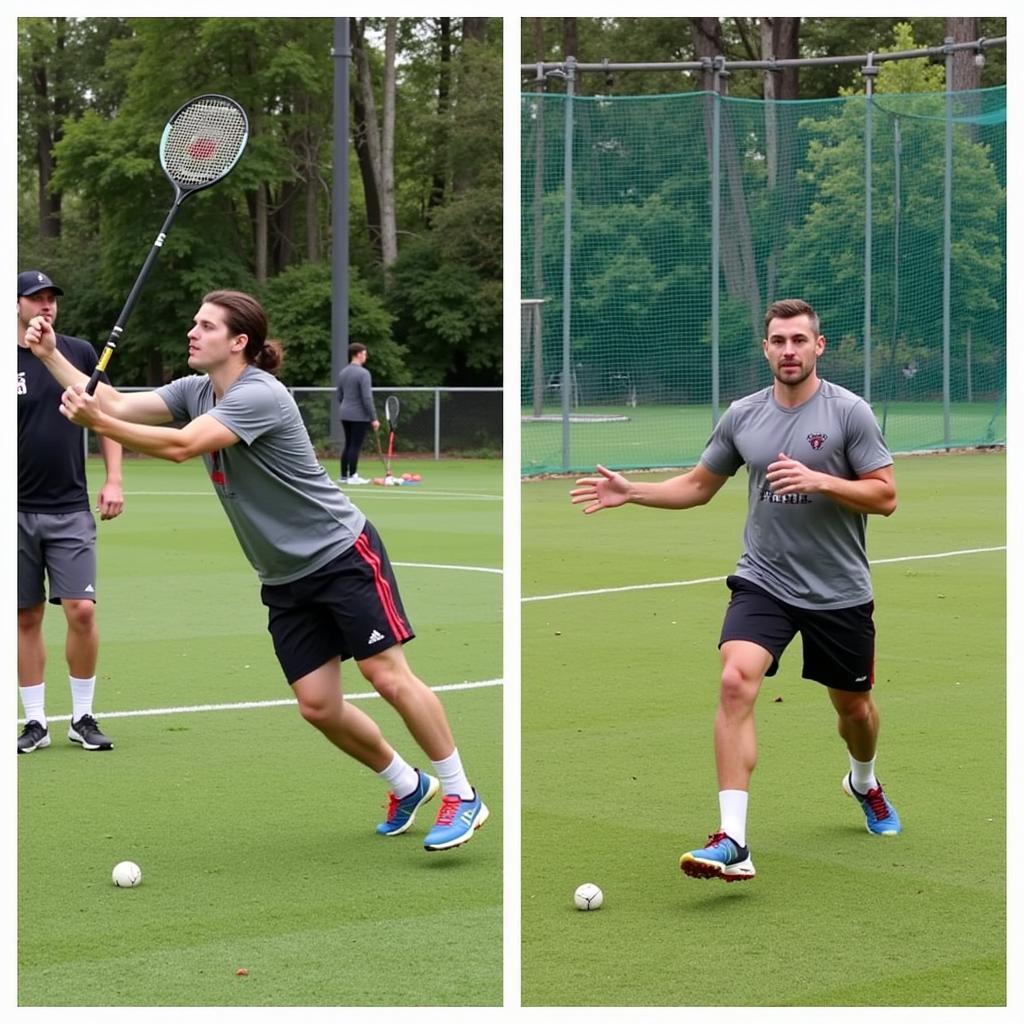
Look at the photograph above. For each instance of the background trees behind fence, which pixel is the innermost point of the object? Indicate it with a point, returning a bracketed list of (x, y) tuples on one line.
[(425, 206), (792, 223)]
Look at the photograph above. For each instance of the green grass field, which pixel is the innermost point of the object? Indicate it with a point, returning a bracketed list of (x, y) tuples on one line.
[(255, 836), (619, 691), (673, 435)]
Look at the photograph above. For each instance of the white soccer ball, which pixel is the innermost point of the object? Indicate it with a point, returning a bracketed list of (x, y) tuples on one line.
[(127, 874), (588, 897)]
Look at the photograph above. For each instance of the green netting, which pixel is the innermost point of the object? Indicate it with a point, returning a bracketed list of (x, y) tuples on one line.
[(642, 386)]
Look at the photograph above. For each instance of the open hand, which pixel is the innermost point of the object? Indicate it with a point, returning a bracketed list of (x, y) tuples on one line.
[(609, 490)]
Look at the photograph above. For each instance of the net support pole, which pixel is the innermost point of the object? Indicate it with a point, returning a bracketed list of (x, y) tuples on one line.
[(437, 424), (716, 230), (567, 376), (947, 240), (869, 71), (341, 53)]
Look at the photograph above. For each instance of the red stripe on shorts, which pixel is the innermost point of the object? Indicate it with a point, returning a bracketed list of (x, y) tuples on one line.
[(383, 587)]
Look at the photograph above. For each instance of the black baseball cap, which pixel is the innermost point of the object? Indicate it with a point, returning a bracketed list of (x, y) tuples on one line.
[(32, 281)]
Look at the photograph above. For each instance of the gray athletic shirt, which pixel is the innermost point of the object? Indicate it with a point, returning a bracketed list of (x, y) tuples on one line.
[(288, 516), (355, 394), (805, 549)]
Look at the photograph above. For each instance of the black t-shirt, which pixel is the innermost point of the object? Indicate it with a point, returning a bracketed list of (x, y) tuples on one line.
[(51, 455)]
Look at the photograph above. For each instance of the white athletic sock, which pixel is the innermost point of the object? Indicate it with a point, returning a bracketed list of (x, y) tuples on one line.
[(453, 778), (82, 691), (400, 776), (862, 775), (732, 805), (33, 701)]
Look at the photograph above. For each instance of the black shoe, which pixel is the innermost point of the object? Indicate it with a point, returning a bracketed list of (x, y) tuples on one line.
[(32, 737), (87, 732)]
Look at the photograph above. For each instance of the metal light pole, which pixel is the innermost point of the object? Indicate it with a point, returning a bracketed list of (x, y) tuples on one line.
[(341, 53)]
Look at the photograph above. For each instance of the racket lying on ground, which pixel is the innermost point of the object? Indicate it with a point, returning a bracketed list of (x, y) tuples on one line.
[(201, 143)]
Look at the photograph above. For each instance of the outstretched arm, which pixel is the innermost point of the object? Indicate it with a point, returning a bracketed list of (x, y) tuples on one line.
[(204, 434), (871, 493), (611, 489)]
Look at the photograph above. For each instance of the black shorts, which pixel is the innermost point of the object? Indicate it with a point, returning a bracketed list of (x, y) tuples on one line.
[(350, 608), (839, 645)]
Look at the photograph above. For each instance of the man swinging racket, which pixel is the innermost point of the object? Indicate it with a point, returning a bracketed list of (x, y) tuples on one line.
[(327, 582), (817, 466)]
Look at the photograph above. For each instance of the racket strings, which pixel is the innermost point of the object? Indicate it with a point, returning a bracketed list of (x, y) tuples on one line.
[(203, 142)]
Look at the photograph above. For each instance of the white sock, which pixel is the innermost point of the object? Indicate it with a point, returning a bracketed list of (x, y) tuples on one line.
[(82, 691), (33, 701), (400, 776), (732, 805), (453, 778), (862, 775)]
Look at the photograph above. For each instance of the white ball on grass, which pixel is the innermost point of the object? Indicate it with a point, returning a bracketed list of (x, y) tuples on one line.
[(127, 874), (588, 897)]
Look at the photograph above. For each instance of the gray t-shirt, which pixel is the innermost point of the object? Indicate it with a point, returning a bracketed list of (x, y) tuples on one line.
[(288, 516), (355, 394), (805, 549)]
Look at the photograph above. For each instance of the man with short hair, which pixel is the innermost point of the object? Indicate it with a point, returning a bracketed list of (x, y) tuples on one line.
[(817, 467), (356, 410), (56, 529)]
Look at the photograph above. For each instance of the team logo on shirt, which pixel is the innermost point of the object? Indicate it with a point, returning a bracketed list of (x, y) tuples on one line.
[(22, 386), (817, 441)]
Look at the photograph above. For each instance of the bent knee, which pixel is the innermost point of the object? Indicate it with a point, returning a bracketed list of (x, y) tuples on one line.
[(739, 683), (31, 618), (81, 615)]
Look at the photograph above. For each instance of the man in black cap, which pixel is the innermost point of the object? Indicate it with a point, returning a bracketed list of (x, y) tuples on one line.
[(56, 529)]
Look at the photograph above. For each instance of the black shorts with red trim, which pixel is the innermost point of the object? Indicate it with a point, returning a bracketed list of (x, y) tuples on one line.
[(350, 608), (839, 644)]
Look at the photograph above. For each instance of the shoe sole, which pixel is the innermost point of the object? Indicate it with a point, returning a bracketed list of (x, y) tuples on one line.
[(427, 797), (465, 837), (44, 742), (848, 790), (695, 868), (89, 746)]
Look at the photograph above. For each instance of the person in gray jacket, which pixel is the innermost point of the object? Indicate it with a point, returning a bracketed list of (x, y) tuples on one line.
[(355, 397)]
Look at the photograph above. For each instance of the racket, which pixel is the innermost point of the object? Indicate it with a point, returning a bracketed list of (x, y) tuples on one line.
[(391, 407), (201, 143)]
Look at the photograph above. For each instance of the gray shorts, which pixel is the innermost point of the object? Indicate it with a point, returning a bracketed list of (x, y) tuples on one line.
[(64, 548)]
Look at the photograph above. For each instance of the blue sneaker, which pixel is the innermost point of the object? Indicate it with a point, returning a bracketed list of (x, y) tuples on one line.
[(457, 820), (722, 858), (881, 817), (402, 813)]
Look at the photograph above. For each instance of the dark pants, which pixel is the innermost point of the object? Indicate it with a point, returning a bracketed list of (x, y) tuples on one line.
[(355, 434)]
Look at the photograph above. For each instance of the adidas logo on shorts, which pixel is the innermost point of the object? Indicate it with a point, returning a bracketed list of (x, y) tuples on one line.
[(375, 637)]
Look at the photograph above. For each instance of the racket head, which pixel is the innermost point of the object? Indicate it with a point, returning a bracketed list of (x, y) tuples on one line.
[(391, 407), (202, 142)]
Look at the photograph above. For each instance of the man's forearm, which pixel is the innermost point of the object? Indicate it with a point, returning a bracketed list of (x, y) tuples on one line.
[(677, 493), (160, 442), (111, 451), (871, 497)]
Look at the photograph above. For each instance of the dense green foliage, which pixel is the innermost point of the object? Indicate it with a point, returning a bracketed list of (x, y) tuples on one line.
[(94, 94), (793, 221)]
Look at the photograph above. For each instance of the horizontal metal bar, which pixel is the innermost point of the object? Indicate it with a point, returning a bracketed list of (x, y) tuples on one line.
[(767, 65)]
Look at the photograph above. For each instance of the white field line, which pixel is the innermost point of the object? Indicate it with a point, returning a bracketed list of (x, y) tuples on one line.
[(721, 579), (457, 568), (250, 704)]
